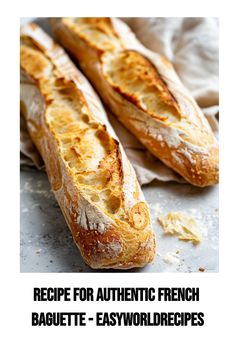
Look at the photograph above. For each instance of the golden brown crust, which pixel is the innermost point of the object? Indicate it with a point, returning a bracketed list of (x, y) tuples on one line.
[(86, 165), (130, 70), (96, 32), (142, 89)]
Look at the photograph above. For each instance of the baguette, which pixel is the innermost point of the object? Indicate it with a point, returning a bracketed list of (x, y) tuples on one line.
[(90, 175), (143, 91)]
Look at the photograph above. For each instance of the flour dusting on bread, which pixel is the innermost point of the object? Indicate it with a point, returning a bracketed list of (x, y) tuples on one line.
[(91, 177)]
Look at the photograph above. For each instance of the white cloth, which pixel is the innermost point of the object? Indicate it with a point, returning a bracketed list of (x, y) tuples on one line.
[(191, 44)]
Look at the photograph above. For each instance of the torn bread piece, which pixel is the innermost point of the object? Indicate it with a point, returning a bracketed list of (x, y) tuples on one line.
[(90, 175), (181, 225)]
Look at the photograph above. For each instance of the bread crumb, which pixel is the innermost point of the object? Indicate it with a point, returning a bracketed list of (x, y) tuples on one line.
[(181, 225), (25, 210), (171, 258), (201, 269)]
